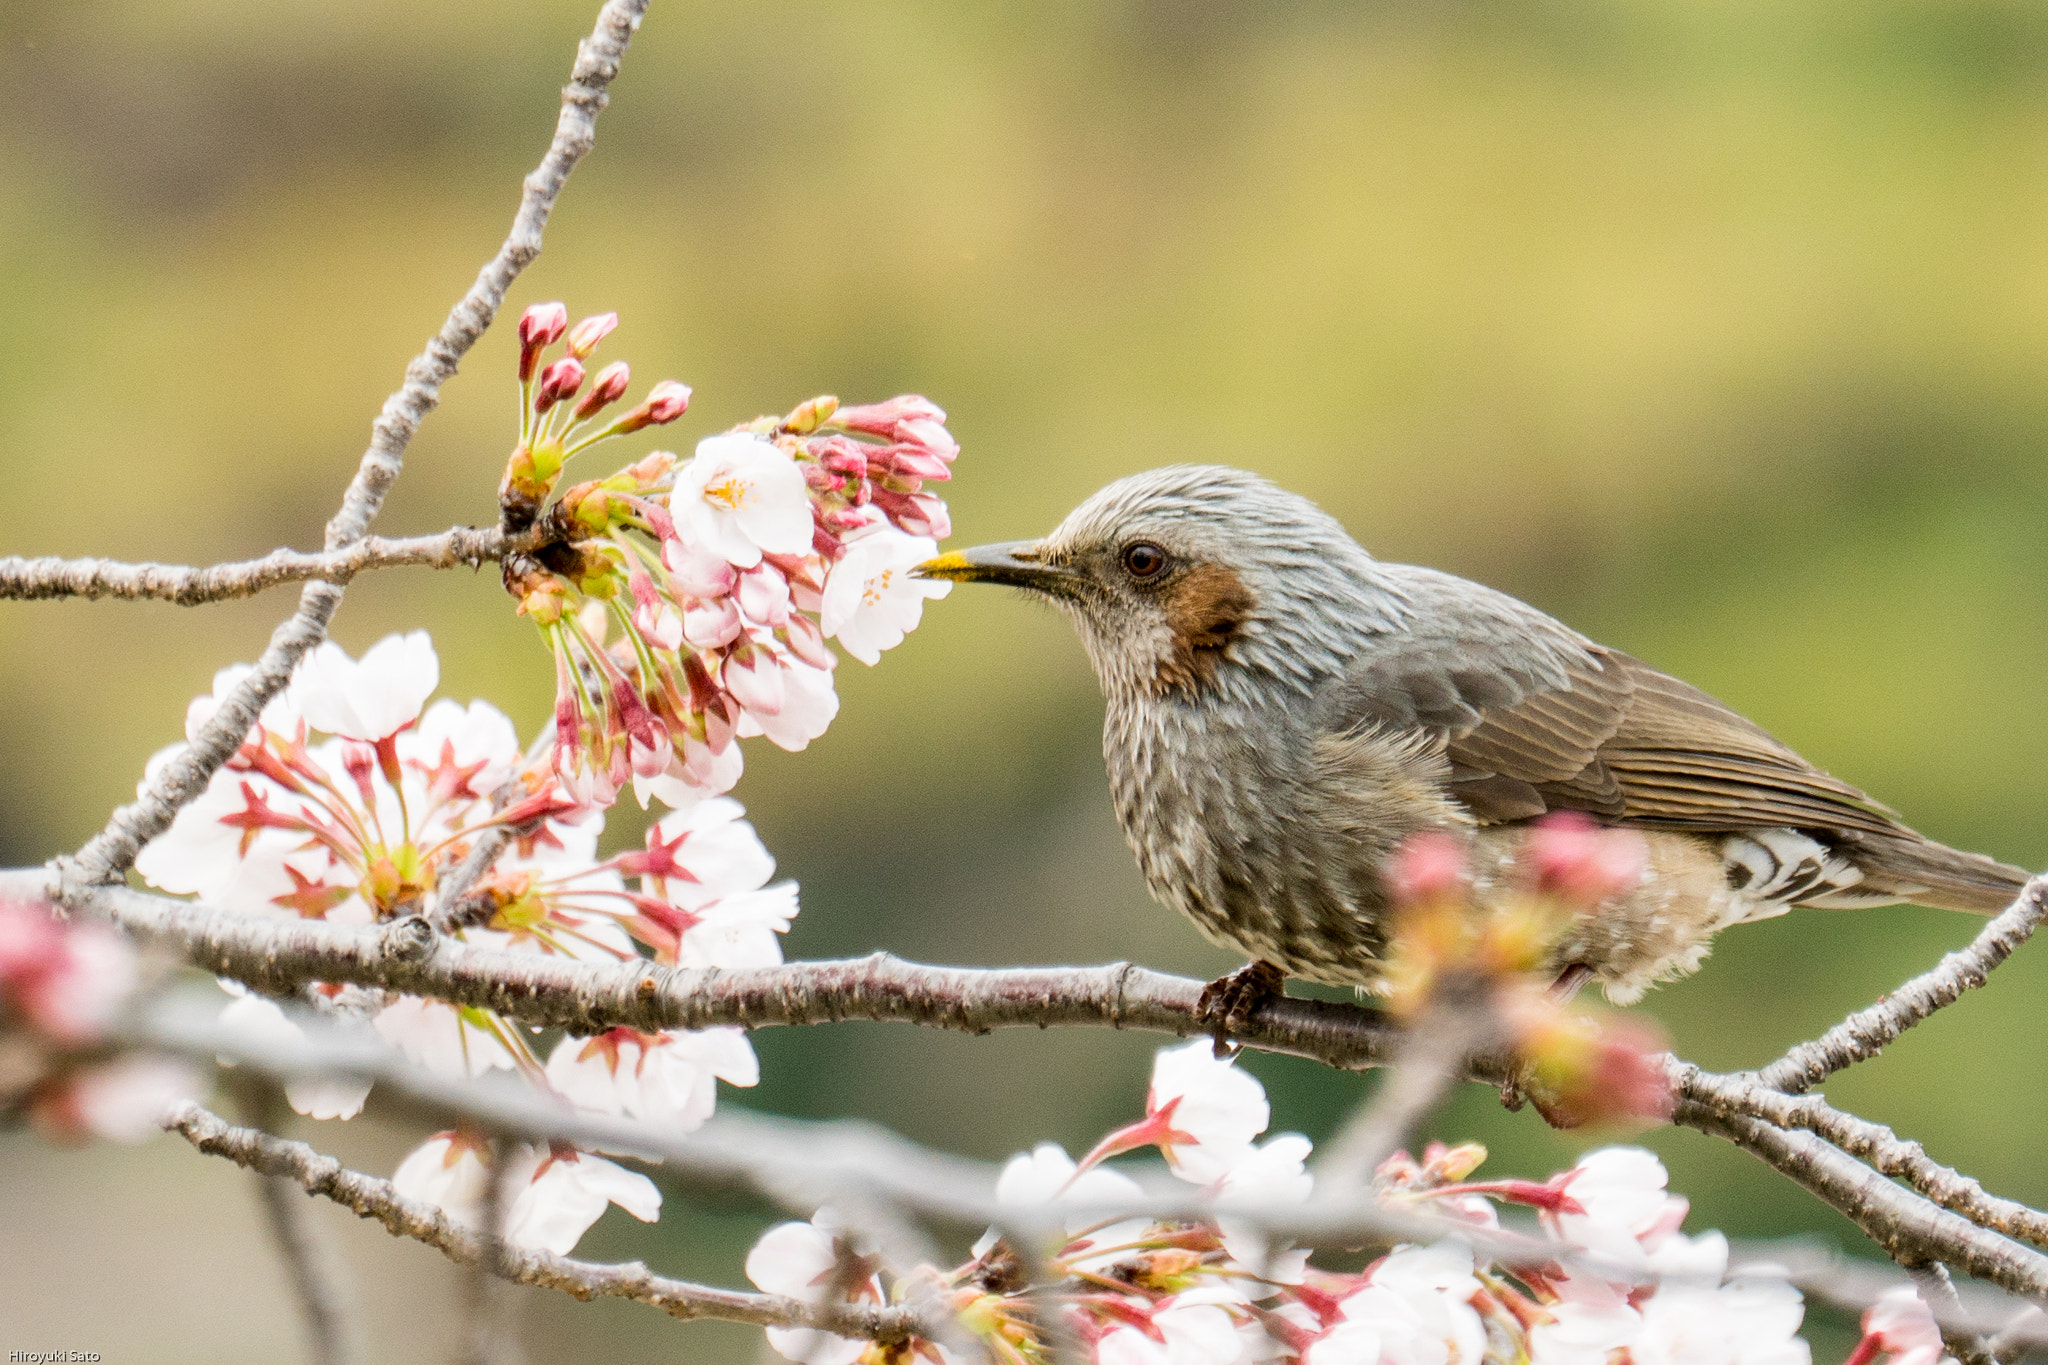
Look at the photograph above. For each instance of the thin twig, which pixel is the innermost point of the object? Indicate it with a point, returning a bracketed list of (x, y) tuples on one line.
[(110, 852), (1910, 1229), (1431, 1060), (1865, 1033), (369, 1197), (31, 580), (1938, 1292), (485, 1342), (310, 1269), (1872, 1142)]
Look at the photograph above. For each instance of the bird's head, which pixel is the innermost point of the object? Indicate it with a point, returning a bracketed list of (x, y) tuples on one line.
[(1186, 579)]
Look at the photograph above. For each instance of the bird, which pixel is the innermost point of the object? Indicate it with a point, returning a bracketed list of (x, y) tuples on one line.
[(1283, 712)]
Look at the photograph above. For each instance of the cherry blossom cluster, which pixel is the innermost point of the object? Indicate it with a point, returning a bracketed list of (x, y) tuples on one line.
[(1481, 950), (1899, 1330), (63, 984), (1137, 1291), (687, 603), (355, 801)]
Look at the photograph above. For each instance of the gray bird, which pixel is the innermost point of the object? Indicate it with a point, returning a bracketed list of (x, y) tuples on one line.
[(1284, 710)]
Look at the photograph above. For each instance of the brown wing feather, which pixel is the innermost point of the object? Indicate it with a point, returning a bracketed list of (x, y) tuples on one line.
[(1638, 747)]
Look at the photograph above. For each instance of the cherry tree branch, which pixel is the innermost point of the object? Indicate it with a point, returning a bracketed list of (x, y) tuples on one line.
[(1874, 1143), (1865, 1033), (1910, 1229), (113, 849), (375, 1199), (189, 585), (310, 1270), (281, 956)]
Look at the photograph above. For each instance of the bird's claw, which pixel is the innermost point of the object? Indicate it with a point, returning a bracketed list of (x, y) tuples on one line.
[(1228, 1002)]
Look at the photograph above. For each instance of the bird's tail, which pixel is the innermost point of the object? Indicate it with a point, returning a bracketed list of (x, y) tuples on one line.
[(1926, 873)]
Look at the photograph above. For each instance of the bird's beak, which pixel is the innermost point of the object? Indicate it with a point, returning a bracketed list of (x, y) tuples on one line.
[(1015, 563)]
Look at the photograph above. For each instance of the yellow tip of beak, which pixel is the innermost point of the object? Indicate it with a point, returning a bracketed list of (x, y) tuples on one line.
[(951, 565)]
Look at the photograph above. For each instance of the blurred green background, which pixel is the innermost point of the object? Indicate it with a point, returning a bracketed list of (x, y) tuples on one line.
[(1718, 329)]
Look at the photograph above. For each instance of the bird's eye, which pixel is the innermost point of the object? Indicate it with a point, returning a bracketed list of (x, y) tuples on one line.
[(1143, 559)]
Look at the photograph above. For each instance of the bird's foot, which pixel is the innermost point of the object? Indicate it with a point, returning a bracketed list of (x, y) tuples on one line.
[(1228, 1002)]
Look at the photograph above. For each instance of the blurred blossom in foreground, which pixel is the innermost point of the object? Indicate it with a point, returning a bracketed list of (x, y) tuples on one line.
[(1486, 944), (63, 984)]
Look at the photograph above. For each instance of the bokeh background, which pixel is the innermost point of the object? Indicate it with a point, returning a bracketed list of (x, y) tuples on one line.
[(1718, 329)]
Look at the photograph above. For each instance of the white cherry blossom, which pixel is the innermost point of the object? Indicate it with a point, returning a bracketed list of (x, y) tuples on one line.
[(801, 1261), (123, 1100), (1211, 1110), (562, 1193), (260, 1021), (807, 707), (1899, 1329), (670, 1079), (740, 495), (370, 699), (442, 1038), (870, 600), (553, 1196), (1191, 1332)]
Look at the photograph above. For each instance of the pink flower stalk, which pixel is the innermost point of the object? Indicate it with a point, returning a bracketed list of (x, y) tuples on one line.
[(540, 327)]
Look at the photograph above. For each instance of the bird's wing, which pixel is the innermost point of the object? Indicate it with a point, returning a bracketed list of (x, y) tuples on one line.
[(1533, 717)]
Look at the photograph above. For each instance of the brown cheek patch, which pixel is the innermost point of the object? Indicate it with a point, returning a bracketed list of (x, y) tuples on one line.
[(1205, 610)]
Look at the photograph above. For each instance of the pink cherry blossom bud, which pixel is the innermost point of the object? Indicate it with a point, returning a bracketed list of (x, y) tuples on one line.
[(698, 573), (826, 546), (807, 642), (654, 616), (1572, 858), (557, 382), (764, 595), (883, 419), (667, 401), (713, 624), (912, 463), (606, 389), (1428, 867), (754, 677), (540, 326), (920, 514), (822, 480), (844, 457), (585, 335)]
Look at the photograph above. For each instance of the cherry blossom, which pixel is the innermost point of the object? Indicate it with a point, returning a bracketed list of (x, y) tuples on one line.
[(1899, 1330), (870, 599), (553, 1195), (259, 1020), (451, 1040), (368, 699), (666, 1078), (122, 1100), (742, 495), (562, 1192), (67, 980), (1187, 1330), (806, 1262), (1202, 1112)]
